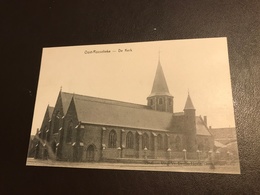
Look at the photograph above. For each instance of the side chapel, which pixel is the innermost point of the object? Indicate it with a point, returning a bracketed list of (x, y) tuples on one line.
[(83, 128)]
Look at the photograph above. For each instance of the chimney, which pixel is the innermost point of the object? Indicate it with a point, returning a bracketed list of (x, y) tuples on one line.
[(205, 120)]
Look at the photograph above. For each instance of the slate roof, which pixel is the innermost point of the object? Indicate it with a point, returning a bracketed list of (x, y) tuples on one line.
[(93, 110), (159, 84), (189, 104), (122, 114), (200, 127), (67, 97)]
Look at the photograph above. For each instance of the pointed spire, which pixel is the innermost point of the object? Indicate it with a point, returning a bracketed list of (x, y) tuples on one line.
[(159, 84), (189, 104)]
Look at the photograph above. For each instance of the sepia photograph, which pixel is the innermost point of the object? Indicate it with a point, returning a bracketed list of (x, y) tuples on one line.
[(149, 106)]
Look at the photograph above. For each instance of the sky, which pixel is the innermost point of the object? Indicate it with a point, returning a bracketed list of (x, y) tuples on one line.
[(126, 73)]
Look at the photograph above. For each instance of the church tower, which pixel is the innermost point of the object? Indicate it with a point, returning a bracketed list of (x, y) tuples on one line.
[(190, 124), (160, 98)]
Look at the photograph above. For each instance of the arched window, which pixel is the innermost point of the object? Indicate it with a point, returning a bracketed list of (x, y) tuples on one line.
[(112, 139), (69, 132), (160, 101), (178, 143), (170, 101), (56, 122), (160, 142), (129, 140), (166, 142), (46, 133), (145, 141)]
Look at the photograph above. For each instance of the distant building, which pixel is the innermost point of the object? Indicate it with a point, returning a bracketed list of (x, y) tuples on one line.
[(225, 140), (224, 135), (83, 128)]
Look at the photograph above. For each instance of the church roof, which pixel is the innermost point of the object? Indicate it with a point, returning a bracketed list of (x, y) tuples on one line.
[(67, 97), (189, 104), (120, 114), (50, 111), (159, 84), (201, 129), (93, 110)]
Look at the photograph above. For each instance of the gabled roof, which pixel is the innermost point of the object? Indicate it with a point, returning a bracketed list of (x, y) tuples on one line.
[(224, 133), (122, 114), (201, 129), (50, 111), (159, 84), (189, 104), (67, 97)]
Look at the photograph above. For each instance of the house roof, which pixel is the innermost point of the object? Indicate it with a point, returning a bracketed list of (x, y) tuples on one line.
[(189, 104), (201, 127), (223, 133), (159, 84), (219, 145), (122, 114)]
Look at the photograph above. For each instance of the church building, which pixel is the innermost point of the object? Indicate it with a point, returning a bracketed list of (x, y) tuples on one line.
[(82, 128)]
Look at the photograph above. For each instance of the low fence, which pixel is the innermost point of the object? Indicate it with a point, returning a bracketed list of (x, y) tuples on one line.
[(170, 162)]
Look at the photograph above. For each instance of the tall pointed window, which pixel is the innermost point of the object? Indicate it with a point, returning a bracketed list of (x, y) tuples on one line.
[(145, 141), (46, 132), (166, 142), (160, 142), (170, 101), (69, 132), (129, 140), (112, 139), (160, 101), (56, 122), (178, 143)]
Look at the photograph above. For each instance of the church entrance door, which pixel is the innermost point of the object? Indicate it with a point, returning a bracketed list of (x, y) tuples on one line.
[(90, 153)]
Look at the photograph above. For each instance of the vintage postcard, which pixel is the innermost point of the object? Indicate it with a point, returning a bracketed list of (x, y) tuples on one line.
[(152, 106)]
